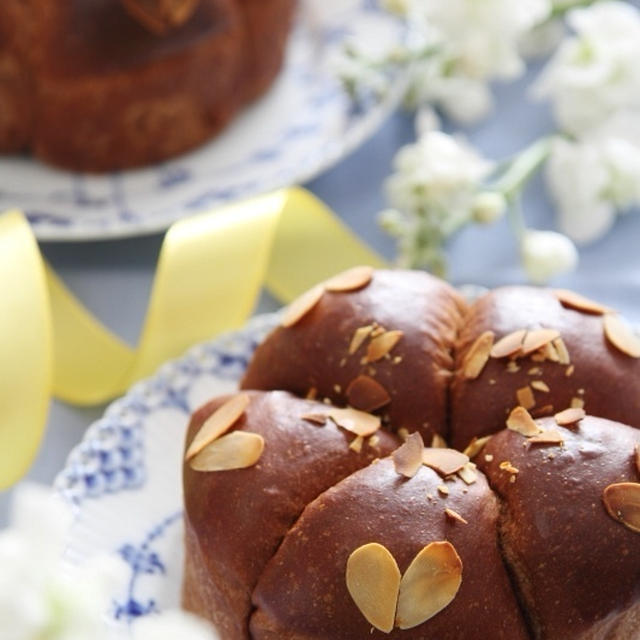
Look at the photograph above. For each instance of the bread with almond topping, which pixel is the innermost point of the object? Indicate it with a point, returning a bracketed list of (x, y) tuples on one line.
[(305, 522), (102, 84)]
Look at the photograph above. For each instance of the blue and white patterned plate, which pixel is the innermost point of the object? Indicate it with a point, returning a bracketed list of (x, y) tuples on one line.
[(124, 479), (301, 127)]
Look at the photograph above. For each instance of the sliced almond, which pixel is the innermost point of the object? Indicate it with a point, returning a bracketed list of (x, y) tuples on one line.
[(219, 422), (236, 450), (315, 418), (478, 355), (525, 397), (356, 444), (509, 344), (562, 351), (367, 394), (381, 345), (407, 458), (359, 336), (620, 336), (574, 300), (475, 446), (454, 515), (358, 422), (569, 416), (547, 436), (536, 339), (577, 403), (622, 502), (350, 280), (540, 385), (373, 582), (429, 584), (443, 489), (505, 465), (301, 306), (569, 371), (468, 473), (438, 442), (521, 421), (444, 461)]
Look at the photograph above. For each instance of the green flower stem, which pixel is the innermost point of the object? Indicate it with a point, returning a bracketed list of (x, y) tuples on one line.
[(521, 169)]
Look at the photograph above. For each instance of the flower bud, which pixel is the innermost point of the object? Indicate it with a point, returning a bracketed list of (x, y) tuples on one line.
[(488, 206), (546, 254)]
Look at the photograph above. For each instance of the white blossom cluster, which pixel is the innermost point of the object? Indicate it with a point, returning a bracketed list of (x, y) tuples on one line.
[(44, 597), (467, 44), (592, 164), (593, 83)]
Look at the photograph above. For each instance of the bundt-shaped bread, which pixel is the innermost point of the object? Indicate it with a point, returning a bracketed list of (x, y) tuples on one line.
[(301, 526), (92, 85)]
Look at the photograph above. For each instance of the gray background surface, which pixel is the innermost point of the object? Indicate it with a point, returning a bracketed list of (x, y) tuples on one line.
[(113, 278)]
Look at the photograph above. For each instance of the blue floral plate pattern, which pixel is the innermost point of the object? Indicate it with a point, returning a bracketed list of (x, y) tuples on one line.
[(124, 479), (260, 151)]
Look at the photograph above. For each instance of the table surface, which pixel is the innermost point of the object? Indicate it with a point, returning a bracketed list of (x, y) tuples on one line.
[(114, 278)]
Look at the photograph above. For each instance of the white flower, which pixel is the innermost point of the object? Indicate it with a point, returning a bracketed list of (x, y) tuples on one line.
[(476, 42), (546, 254), (437, 177), (172, 625), (590, 180), (596, 73), (488, 206), (41, 596)]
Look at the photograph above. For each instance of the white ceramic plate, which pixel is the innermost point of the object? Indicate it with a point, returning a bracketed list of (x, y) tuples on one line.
[(302, 126), (124, 478)]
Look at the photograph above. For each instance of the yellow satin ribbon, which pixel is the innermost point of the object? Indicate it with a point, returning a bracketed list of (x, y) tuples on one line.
[(210, 271)]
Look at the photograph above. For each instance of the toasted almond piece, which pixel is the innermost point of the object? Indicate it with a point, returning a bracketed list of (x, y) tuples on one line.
[(536, 339), (620, 336), (301, 306), (622, 502), (525, 397), (478, 355), (403, 433), (569, 370), (505, 465), (373, 440), (535, 371), (429, 584), (574, 300), (382, 344), (550, 352), (356, 444), (359, 336), (373, 582), (509, 344), (444, 461), (562, 351), (475, 446), (438, 442), (236, 450), (577, 403), (219, 422), (367, 394), (547, 436), (454, 515), (521, 421), (315, 418), (540, 385), (468, 473), (569, 416), (312, 394), (513, 366), (637, 457), (407, 458), (443, 489), (358, 422), (350, 280)]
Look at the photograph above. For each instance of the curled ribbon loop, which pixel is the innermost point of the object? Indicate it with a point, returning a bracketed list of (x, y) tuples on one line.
[(210, 271)]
